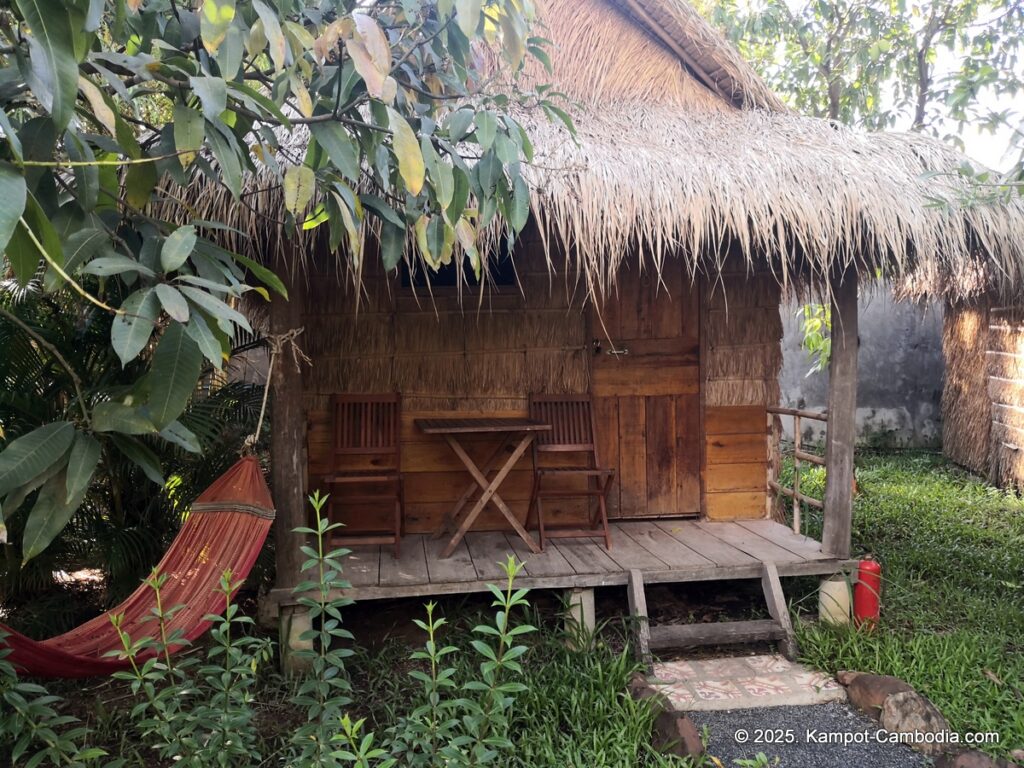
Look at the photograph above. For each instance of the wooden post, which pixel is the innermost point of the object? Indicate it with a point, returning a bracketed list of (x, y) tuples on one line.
[(580, 617), (842, 418), (288, 458)]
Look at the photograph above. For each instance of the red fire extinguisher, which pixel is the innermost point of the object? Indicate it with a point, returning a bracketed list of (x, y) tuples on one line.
[(867, 593)]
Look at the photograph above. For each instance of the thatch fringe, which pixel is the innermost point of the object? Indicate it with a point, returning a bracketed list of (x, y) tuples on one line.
[(966, 404)]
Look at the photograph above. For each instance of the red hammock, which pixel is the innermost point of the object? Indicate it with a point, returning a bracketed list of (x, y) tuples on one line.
[(225, 529)]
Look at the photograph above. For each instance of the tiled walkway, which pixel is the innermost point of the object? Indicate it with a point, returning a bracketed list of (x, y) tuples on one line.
[(740, 682)]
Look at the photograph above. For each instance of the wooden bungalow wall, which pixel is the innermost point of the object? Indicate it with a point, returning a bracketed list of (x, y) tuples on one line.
[(444, 357)]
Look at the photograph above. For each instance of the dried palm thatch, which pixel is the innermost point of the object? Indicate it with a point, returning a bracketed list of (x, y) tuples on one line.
[(966, 405), (683, 151)]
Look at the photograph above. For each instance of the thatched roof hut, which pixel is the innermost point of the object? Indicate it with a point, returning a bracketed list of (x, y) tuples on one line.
[(683, 150), (650, 278)]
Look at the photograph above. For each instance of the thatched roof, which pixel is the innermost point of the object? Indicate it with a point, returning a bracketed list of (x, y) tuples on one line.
[(684, 152)]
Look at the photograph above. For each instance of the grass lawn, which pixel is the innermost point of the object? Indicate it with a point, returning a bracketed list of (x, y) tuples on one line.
[(952, 552)]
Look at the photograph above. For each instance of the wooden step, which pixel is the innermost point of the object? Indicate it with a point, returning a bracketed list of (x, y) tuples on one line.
[(715, 633)]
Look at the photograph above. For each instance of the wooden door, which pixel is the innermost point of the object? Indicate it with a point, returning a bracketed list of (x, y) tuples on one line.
[(645, 381)]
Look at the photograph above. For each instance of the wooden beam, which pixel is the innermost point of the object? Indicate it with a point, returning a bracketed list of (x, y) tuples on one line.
[(777, 608), (842, 417), (715, 633), (288, 438), (638, 613)]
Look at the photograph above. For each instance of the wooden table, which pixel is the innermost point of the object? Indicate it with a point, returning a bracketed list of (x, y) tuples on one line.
[(517, 434)]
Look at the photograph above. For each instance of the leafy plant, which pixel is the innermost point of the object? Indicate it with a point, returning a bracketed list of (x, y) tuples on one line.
[(816, 329), (365, 116), (125, 521)]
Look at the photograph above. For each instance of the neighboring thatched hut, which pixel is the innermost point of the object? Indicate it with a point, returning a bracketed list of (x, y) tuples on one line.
[(691, 201), (983, 399)]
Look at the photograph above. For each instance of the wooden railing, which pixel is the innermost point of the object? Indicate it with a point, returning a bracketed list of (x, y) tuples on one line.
[(799, 456)]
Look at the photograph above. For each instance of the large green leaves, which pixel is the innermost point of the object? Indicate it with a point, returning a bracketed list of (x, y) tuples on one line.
[(51, 512), (32, 454), (85, 455), (177, 248), (134, 325), (177, 363), (53, 73), (12, 193), (33, 238)]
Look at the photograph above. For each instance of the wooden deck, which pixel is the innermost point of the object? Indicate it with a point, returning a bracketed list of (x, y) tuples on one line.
[(663, 550)]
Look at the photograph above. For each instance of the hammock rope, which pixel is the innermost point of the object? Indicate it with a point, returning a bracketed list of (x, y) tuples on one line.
[(224, 531)]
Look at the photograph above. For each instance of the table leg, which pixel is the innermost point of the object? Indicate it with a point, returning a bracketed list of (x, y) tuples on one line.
[(489, 493), (452, 516)]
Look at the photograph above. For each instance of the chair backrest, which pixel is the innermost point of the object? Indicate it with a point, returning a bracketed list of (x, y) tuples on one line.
[(366, 424), (571, 419)]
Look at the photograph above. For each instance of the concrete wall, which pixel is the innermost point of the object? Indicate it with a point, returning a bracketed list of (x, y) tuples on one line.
[(900, 371)]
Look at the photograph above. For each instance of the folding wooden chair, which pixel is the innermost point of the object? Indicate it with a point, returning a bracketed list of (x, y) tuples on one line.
[(572, 432), (366, 466)]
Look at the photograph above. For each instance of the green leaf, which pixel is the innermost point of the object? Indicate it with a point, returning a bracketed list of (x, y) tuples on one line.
[(262, 274), (215, 19), (54, 67), (392, 245), (32, 231), (112, 416), (468, 15), (49, 515), (32, 454), (458, 123), (407, 151), (272, 29), (85, 455), (141, 456), (340, 147), (130, 331), (177, 248), (299, 185), (189, 130), (139, 182), (199, 331), (173, 302), (12, 192), (116, 264), (215, 307), (520, 210), (176, 433), (226, 151), (174, 374), (486, 128), (212, 93), (440, 173)]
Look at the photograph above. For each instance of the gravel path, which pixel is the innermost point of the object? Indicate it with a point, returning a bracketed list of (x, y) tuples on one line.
[(800, 727)]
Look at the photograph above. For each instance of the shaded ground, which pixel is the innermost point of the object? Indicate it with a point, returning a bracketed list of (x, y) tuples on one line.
[(799, 726)]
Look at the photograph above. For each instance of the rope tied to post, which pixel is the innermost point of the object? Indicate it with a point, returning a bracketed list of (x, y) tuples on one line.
[(276, 343)]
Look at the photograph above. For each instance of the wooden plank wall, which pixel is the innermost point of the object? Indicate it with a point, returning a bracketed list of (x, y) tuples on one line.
[(743, 356), (444, 357)]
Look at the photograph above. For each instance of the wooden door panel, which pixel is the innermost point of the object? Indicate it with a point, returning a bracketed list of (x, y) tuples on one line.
[(632, 455), (647, 398)]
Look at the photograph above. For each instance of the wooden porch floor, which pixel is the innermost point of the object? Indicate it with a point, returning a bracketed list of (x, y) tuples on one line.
[(664, 550)]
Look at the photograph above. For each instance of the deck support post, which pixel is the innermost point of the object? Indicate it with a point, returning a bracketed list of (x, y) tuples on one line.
[(288, 462), (842, 417), (580, 616), (294, 621), (638, 613)]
